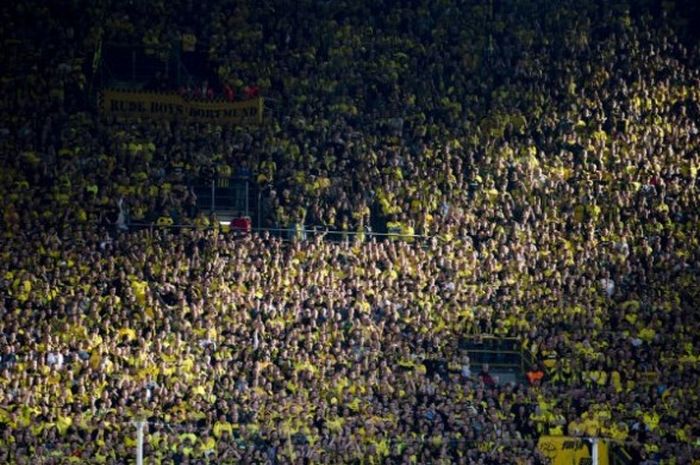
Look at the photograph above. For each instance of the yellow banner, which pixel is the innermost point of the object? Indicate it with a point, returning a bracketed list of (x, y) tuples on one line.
[(564, 450), (157, 105)]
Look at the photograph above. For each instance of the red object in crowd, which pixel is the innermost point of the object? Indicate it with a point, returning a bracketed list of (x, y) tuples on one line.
[(251, 91), (229, 93), (486, 378), (241, 225), (534, 376)]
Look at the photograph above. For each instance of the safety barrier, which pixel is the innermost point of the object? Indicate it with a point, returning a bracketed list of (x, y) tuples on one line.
[(291, 234), (498, 352)]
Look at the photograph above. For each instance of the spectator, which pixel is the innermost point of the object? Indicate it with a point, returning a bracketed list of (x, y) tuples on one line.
[(535, 375)]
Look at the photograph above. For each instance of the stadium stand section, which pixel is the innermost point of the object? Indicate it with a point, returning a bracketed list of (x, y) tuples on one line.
[(532, 169)]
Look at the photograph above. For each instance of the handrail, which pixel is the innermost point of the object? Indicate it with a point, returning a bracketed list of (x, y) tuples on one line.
[(490, 337), (340, 231), (317, 231)]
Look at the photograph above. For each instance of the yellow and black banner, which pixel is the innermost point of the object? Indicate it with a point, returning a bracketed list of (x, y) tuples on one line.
[(159, 105), (564, 450)]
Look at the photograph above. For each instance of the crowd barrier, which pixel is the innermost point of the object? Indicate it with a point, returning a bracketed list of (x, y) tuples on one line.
[(291, 234)]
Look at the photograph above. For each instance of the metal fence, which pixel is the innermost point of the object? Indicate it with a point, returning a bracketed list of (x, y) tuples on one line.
[(230, 195), (498, 352), (300, 233)]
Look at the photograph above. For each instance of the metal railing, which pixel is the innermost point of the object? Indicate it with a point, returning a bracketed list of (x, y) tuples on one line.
[(292, 233), (230, 194), (498, 352)]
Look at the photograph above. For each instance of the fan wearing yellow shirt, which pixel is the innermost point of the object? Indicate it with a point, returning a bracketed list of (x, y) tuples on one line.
[(222, 428), (207, 445)]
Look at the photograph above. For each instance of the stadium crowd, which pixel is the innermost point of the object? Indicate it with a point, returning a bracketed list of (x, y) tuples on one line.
[(540, 161)]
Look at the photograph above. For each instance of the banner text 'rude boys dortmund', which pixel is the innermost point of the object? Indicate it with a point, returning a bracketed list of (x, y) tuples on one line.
[(157, 105)]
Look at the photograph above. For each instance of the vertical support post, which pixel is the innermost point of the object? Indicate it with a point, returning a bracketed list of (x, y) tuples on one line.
[(133, 65), (594, 451), (247, 200), (213, 191), (139, 441)]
